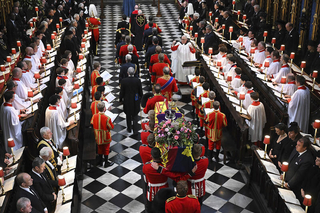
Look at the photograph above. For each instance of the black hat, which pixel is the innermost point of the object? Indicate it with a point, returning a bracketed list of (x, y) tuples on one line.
[(68, 32), (281, 22), (312, 43)]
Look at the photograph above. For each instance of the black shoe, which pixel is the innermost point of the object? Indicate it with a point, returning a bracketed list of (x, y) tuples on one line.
[(217, 155), (209, 155), (100, 161), (108, 164), (128, 130)]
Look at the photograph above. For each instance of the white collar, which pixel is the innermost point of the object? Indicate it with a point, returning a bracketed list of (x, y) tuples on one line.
[(37, 173), (301, 153)]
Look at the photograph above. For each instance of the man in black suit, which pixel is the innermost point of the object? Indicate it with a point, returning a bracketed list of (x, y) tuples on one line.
[(131, 94), (135, 59), (150, 38), (227, 21), (151, 50), (210, 40), (300, 161), (280, 34), (182, 12), (24, 206), (25, 189), (124, 69), (255, 19), (41, 184), (68, 44), (123, 23), (291, 39)]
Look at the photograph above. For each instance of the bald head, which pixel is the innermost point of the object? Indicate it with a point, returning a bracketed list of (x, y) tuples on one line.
[(17, 72), (29, 51), (158, 49)]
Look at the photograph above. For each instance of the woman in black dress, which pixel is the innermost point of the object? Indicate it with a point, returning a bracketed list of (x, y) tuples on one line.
[(278, 144)]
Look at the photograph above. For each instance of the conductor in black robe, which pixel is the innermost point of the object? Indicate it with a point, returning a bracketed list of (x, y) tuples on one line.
[(68, 44), (131, 94), (137, 29)]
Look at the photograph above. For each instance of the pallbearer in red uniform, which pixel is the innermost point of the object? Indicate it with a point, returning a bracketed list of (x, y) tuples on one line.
[(197, 183), (182, 202), (94, 27), (156, 98), (102, 125), (208, 104), (93, 107), (157, 68), (168, 84), (215, 120), (95, 73), (149, 130), (145, 150), (194, 91)]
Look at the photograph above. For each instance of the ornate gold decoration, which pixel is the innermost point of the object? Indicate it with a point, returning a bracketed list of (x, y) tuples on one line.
[(293, 12), (275, 12), (284, 10)]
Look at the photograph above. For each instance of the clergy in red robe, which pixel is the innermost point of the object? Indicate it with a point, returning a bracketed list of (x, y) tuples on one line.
[(215, 120), (102, 124), (196, 77), (95, 73), (99, 82), (156, 98), (168, 84), (93, 107)]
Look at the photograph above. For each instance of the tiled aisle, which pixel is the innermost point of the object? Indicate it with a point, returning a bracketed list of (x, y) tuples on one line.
[(119, 188)]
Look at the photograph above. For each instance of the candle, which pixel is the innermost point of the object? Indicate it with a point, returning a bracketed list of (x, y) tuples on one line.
[(283, 47), (216, 20), (239, 12), (34, 19), (316, 124), (242, 96), (283, 80), (229, 78), (13, 51), (223, 26), (66, 151), (210, 50), (314, 74), (43, 60), (11, 142), (266, 64), (219, 63), (265, 33), (78, 70), (86, 32), (8, 59), (36, 75), (30, 93), (80, 56), (74, 104), (253, 50), (202, 40), (210, 13), (87, 25), (244, 17), (1, 172), (240, 39), (61, 180), (191, 28), (83, 45), (54, 32), (48, 47), (285, 166), (60, 19), (2, 68), (292, 55), (196, 35), (303, 64), (19, 43), (53, 36), (84, 40), (230, 29), (273, 41), (307, 200), (233, 2), (57, 26)]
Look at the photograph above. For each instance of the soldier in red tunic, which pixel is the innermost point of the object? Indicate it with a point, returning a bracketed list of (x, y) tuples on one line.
[(145, 150), (215, 121), (157, 68), (124, 50), (155, 58), (156, 98), (182, 202), (144, 134), (94, 27), (102, 125), (168, 84)]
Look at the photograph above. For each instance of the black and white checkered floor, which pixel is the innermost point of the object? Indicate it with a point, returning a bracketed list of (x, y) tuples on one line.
[(119, 188)]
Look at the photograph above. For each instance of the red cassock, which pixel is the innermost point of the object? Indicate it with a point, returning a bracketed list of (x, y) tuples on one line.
[(195, 79), (144, 136), (215, 120), (155, 180), (205, 94), (187, 204), (157, 71), (155, 59), (94, 90), (102, 125), (197, 183), (145, 153), (209, 105), (93, 27), (168, 85), (94, 108), (153, 26), (152, 102), (124, 51), (95, 74), (193, 96)]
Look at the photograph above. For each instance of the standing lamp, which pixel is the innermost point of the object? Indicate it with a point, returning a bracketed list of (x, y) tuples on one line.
[(3, 69), (244, 17), (58, 27), (238, 13), (307, 202), (66, 153), (34, 19), (284, 169), (60, 20), (37, 76), (43, 61), (37, 10), (14, 51), (78, 70), (273, 41), (242, 96), (265, 34), (30, 95), (223, 28), (252, 51), (292, 55), (233, 3), (74, 106), (62, 183), (303, 65), (11, 144), (229, 79), (316, 126), (19, 45), (240, 40), (1, 180), (314, 76), (9, 61), (282, 48), (196, 36), (31, 25), (266, 141), (230, 31), (266, 65), (210, 14), (202, 42), (282, 81), (210, 51)]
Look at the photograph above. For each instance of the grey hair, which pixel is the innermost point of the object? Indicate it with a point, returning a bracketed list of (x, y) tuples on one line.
[(128, 57), (45, 152), (44, 23), (73, 21), (212, 95), (44, 130), (76, 15), (166, 70), (22, 203), (60, 7), (196, 14), (81, 5), (101, 105), (130, 48), (37, 162), (257, 6), (72, 28), (130, 71)]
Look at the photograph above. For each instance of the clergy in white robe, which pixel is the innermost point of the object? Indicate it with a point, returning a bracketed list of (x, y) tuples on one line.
[(236, 81), (18, 103), (10, 123), (299, 105), (68, 85), (258, 118), (54, 120), (62, 105), (247, 42), (26, 77), (248, 90), (260, 55), (275, 65), (290, 87), (268, 58), (221, 56), (65, 98), (30, 56), (231, 70), (284, 70), (182, 52), (242, 88), (22, 89)]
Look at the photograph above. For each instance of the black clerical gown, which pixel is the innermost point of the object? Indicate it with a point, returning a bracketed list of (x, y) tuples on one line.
[(292, 41), (131, 93), (279, 35), (137, 29)]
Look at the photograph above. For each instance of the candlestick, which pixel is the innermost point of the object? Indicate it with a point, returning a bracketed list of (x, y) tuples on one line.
[(303, 65), (66, 153), (77, 95), (307, 202), (284, 168), (316, 126), (266, 141)]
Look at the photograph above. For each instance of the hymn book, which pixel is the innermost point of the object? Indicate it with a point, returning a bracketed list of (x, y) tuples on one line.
[(270, 167), (288, 196)]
